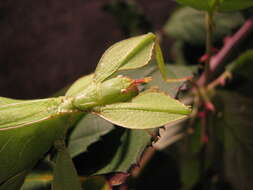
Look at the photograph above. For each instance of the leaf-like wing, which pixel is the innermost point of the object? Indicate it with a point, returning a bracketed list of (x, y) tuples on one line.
[(127, 54), (147, 110), (27, 131)]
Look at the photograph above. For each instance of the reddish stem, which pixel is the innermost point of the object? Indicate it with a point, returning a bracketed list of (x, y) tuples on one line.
[(227, 48)]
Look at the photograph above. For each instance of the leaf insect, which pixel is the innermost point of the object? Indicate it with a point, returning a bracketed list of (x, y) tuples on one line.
[(28, 128)]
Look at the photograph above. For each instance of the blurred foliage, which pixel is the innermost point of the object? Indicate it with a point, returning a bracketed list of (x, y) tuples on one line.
[(187, 24), (187, 27)]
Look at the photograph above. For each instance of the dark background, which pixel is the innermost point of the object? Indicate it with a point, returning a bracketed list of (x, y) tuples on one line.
[(46, 45)]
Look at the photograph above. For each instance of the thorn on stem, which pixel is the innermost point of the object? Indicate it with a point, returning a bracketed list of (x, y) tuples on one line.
[(205, 57)]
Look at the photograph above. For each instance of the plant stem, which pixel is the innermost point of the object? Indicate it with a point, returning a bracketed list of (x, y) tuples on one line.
[(209, 42), (217, 60), (219, 81), (231, 43), (209, 38)]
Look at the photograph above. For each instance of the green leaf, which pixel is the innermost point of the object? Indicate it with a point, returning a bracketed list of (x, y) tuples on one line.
[(27, 131), (236, 118), (223, 5), (65, 175), (235, 5), (243, 65), (131, 53), (147, 110), (190, 171), (87, 131), (125, 149), (190, 164), (188, 25), (128, 151)]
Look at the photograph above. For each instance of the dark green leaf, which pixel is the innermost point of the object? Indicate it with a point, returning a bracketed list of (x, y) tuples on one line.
[(133, 142), (188, 25), (65, 175), (238, 135), (190, 171), (190, 163), (87, 131), (235, 5), (243, 65)]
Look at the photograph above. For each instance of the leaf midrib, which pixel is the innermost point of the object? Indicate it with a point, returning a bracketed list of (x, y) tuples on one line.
[(145, 108)]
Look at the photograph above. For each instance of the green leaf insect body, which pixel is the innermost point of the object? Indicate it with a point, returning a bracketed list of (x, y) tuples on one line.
[(29, 128), (113, 90)]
